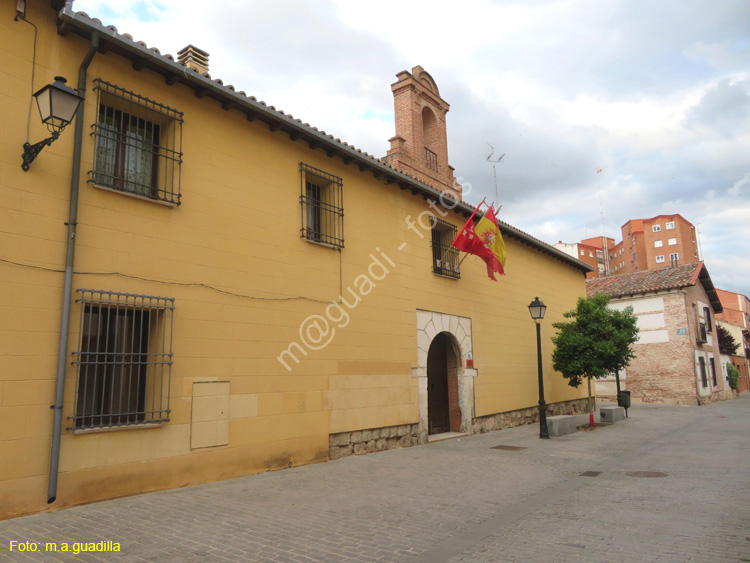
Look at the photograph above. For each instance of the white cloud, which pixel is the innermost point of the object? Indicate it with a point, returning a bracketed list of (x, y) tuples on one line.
[(656, 93)]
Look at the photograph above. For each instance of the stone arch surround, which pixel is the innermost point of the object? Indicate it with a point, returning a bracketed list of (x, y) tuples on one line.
[(429, 325)]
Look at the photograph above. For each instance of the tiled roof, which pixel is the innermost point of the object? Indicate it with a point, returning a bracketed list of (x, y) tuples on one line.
[(645, 281), (145, 57), (661, 279)]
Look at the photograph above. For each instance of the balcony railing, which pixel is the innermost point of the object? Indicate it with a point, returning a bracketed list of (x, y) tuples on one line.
[(445, 260), (431, 159)]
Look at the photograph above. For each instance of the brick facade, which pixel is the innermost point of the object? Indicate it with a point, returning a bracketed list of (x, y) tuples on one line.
[(637, 251), (667, 368), (420, 146)]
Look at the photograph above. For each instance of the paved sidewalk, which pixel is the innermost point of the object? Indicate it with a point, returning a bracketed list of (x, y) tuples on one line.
[(458, 501)]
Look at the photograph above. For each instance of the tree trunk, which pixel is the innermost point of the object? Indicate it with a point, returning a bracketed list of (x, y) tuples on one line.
[(591, 404)]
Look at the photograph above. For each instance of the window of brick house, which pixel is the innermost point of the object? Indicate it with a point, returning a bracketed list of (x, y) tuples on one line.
[(702, 368), (124, 359), (444, 254), (660, 259), (658, 244), (672, 241), (655, 228), (707, 318), (322, 202), (674, 257), (670, 225), (713, 370), (137, 144)]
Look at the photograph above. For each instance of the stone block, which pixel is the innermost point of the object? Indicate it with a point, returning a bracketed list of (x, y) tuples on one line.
[(371, 446), (342, 439), (611, 414), (360, 449), (381, 444), (356, 437), (561, 425), (366, 435)]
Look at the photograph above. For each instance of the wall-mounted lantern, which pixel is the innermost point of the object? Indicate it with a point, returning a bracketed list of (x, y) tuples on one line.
[(58, 104)]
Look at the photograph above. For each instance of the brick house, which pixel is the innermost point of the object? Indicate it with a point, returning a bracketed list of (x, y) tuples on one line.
[(677, 354)]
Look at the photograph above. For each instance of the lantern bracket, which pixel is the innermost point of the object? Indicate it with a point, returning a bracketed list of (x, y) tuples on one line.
[(30, 152)]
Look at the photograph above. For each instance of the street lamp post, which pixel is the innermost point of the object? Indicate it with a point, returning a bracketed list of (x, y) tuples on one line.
[(537, 310)]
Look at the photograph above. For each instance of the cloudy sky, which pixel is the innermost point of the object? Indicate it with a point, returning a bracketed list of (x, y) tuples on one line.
[(656, 94)]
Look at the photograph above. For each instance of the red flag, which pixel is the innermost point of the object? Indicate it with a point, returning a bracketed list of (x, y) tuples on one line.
[(471, 242)]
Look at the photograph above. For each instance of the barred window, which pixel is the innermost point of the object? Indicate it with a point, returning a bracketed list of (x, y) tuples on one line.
[(124, 359), (444, 254), (322, 202), (138, 144), (702, 367)]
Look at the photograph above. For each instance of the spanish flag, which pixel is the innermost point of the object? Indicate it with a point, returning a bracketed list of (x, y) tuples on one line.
[(485, 241)]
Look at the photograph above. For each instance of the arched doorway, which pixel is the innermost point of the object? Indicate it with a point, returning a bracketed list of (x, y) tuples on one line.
[(443, 410)]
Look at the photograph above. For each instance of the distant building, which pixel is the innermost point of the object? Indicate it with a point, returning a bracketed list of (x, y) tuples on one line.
[(677, 354), (736, 319), (646, 244), (593, 251)]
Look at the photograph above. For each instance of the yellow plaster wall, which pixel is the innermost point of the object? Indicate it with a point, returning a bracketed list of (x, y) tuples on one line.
[(238, 230)]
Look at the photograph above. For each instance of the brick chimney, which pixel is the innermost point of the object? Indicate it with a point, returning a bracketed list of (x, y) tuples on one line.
[(420, 147), (193, 58)]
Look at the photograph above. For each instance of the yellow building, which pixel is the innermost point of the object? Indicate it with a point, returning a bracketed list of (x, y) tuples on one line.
[(238, 291)]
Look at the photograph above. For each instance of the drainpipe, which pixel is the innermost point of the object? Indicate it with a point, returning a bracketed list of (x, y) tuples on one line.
[(62, 353)]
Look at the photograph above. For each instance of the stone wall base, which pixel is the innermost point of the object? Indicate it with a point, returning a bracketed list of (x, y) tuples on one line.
[(723, 395), (361, 442), (529, 415)]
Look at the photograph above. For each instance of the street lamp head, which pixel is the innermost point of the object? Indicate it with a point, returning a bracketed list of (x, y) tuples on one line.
[(58, 104), (537, 310)]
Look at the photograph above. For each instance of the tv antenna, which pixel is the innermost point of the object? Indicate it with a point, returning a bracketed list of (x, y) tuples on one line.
[(494, 161)]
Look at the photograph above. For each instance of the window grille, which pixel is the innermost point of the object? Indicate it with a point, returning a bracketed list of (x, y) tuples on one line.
[(137, 144), (702, 337), (322, 202), (444, 254), (702, 367), (124, 359), (707, 316), (713, 370), (431, 159)]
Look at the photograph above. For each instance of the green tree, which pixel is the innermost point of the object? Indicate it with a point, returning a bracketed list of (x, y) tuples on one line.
[(727, 344), (596, 341), (733, 375)]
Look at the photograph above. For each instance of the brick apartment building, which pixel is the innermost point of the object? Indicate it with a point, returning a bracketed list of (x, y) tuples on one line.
[(593, 251), (646, 244)]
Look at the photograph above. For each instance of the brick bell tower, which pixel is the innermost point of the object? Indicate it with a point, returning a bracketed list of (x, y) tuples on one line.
[(420, 147)]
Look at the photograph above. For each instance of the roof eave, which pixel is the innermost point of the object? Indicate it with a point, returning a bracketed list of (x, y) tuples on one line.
[(174, 73)]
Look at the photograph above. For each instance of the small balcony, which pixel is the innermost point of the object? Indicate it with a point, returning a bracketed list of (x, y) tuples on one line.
[(431, 159)]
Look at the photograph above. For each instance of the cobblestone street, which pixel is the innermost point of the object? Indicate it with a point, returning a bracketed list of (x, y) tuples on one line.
[(460, 500)]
